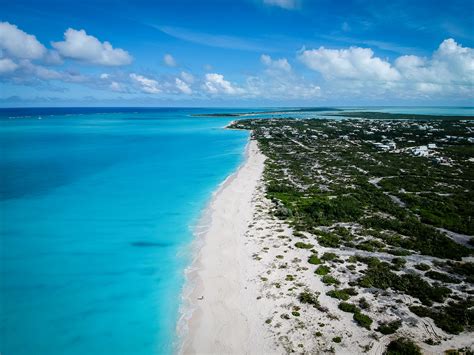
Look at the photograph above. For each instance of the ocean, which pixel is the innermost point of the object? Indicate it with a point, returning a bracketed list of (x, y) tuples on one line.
[(97, 214)]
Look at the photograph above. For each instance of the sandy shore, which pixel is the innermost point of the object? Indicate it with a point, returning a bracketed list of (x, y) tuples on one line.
[(224, 319)]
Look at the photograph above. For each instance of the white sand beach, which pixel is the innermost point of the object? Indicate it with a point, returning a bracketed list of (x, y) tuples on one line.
[(225, 319)]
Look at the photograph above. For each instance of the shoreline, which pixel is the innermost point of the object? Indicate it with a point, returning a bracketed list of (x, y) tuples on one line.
[(216, 293)]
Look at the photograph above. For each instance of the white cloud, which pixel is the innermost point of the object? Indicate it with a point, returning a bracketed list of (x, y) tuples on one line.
[(183, 87), (7, 66), (277, 64), (169, 60), (285, 4), (146, 85), (187, 77), (216, 84), (448, 72), (352, 63), (81, 46), (450, 64), (19, 44), (115, 86)]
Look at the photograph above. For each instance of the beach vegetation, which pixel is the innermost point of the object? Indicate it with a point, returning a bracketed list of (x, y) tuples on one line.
[(440, 276), (302, 245), (313, 259), (402, 346), (329, 256), (363, 320), (330, 280), (342, 294), (389, 327), (322, 270), (453, 318), (309, 297), (348, 307), (422, 267)]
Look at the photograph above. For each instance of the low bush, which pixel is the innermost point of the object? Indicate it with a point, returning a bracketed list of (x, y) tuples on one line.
[(329, 240), (348, 307), (439, 276), (322, 270), (422, 267), (329, 256), (363, 320), (343, 294), (313, 259), (309, 298), (389, 327), (330, 280), (402, 346), (302, 245)]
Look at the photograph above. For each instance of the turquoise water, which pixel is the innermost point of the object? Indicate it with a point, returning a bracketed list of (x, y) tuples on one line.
[(97, 215)]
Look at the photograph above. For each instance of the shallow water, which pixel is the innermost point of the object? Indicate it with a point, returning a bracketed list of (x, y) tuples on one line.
[(97, 215)]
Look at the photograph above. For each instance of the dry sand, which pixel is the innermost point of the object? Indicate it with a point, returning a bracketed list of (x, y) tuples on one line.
[(224, 318)]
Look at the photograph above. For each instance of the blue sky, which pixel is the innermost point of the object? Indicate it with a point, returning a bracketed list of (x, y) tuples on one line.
[(236, 53)]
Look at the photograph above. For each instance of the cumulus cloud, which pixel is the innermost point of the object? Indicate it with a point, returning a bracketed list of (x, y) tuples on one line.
[(285, 4), (19, 44), (450, 64), (145, 84), (183, 87), (81, 46), (115, 86), (277, 64), (169, 60), (7, 66), (449, 71), (187, 77), (216, 84), (352, 63)]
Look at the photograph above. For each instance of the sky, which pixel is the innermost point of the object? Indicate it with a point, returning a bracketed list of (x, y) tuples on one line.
[(243, 53)]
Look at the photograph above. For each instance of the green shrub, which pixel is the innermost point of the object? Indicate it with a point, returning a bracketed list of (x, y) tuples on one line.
[(302, 245), (330, 280), (348, 307), (390, 327), (402, 346), (398, 263), (313, 259), (309, 298), (380, 276), (329, 240), (337, 339), (434, 275), (329, 256), (343, 294), (422, 267), (322, 270), (363, 320), (364, 304)]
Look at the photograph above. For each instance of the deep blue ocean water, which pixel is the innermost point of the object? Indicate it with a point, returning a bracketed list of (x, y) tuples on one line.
[(97, 209)]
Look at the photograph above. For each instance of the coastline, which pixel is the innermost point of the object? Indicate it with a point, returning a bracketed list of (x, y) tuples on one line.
[(218, 315)]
